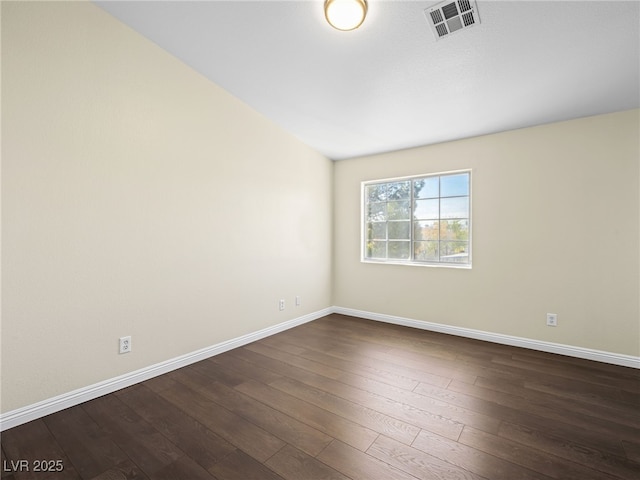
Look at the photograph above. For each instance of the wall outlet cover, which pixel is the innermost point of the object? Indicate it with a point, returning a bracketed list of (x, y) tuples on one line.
[(125, 344)]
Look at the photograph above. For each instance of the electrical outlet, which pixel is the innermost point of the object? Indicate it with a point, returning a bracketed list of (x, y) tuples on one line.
[(552, 319), (281, 304), (298, 301), (125, 344)]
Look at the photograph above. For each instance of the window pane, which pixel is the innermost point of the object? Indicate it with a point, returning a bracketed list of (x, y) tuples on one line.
[(426, 209), (426, 187), (399, 210), (452, 185), (377, 231), (376, 193), (454, 252), (425, 251), (399, 190), (376, 249), (456, 207), (400, 230), (423, 219), (425, 230), (377, 212), (399, 250), (454, 230)]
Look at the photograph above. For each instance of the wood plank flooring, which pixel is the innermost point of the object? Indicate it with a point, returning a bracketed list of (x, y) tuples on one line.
[(343, 398)]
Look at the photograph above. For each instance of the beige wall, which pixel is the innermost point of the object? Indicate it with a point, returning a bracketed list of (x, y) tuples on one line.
[(555, 229), (139, 199)]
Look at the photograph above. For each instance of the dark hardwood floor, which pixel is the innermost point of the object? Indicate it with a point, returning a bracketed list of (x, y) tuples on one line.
[(342, 398)]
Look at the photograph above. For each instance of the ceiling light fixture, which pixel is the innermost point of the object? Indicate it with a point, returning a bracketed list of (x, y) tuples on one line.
[(345, 14)]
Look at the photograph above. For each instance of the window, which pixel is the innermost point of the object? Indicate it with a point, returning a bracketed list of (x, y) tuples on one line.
[(422, 220)]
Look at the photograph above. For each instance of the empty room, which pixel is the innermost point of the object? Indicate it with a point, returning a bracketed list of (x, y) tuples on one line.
[(320, 239)]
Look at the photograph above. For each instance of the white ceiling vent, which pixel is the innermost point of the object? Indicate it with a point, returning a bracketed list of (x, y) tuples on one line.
[(452, 16)]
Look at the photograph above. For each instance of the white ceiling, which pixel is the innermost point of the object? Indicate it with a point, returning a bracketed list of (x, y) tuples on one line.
[(390, 85)]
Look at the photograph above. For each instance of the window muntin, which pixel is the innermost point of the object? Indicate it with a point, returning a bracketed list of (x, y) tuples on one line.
[(422, 220)]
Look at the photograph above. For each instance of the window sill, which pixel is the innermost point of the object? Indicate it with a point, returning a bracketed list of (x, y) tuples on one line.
[(419, 264)]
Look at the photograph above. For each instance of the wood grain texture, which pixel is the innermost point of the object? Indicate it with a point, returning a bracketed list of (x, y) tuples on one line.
[(292, 464), (343, 398), (88, 447)]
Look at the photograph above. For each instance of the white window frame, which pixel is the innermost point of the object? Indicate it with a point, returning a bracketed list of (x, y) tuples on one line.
[(412, 261)]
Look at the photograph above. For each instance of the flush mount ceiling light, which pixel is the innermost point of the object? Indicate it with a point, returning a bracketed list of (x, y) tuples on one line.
[(345, 14)]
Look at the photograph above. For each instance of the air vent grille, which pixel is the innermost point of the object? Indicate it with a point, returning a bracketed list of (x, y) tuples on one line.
[(442, 30), (450, 10), (436, 16), (465, 6), (452, 16), (454, 24), (468, 19)]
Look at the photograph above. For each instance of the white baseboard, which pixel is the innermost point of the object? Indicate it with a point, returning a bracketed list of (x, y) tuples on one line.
[(568, 350), (76, 397)]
